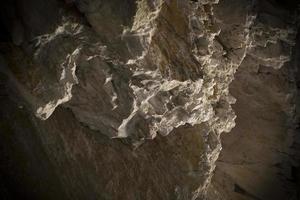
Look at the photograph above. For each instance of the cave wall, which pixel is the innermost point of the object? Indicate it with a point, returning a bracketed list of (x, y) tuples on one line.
[(260, 156), (128, 99)]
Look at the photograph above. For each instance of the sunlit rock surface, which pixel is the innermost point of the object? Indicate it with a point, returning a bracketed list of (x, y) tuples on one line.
[(127, 99)]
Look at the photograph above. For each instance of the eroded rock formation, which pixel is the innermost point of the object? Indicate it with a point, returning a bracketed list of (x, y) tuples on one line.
[(127, 99)]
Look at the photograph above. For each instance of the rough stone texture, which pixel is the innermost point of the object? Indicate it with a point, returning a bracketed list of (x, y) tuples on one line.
[(260, 158), (127, 99)]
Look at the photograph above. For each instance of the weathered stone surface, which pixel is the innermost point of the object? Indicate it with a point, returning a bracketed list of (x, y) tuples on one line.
[(130, 97)]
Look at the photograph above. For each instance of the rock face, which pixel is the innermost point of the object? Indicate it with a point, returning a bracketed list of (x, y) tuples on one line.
[(127, 99)]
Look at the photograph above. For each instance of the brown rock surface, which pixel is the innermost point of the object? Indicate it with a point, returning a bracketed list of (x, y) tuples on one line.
[(126, 99)]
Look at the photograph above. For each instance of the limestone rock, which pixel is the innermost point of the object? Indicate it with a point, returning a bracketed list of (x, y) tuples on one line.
[(130, 97)]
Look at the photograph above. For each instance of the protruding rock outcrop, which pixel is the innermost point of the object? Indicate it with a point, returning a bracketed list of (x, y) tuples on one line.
[(139, 71)]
